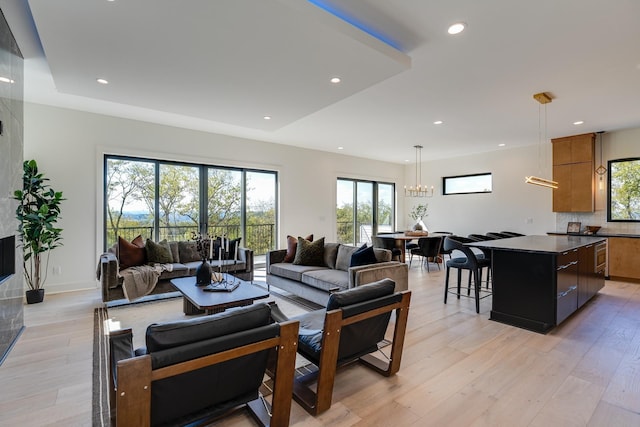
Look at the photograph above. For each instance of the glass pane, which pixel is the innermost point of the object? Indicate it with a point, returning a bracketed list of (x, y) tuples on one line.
[(364, 197), (385, 208), (624, 184), (179, 202), (130, 211), (261, 212), (345, 212), (224, 202), (480, 183)]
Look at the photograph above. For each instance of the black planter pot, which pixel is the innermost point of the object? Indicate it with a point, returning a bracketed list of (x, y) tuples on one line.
[(203, 274), (34, 296)]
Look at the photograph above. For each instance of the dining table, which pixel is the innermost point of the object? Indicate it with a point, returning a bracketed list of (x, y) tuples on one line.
[(401, 239)]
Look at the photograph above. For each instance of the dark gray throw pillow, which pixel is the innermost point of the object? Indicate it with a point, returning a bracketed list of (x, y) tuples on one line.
[(310, 253)]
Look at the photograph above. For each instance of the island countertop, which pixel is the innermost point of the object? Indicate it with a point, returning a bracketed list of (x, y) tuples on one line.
[(539, 244)]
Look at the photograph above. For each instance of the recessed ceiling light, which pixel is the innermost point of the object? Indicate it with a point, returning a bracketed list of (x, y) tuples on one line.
[(501, 145), (438, 122), (456, 28), (6, 80), (335, 80), (579, 122), (267, 117), (340, 148), (103, 81), (406, 160)]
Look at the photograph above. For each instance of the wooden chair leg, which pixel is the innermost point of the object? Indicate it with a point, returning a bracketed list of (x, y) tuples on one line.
[(285, 369)]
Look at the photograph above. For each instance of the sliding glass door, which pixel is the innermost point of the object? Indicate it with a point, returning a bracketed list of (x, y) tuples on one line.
[(170, 200), (363, 208)]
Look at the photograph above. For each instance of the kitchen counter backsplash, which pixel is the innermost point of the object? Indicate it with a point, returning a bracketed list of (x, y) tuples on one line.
[(595, 218)]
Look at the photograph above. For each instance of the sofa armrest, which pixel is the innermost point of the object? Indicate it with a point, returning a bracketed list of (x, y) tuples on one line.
[(108, 274), (246, 255), (274, 257), (396, 271)]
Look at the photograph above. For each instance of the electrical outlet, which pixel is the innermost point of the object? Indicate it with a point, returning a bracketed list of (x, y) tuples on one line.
[(528, 221), (57, 270)]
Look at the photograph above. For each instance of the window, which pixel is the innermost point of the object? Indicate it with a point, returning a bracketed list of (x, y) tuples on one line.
[(624, 190), (363, 208), (466, 184), (165, 200)]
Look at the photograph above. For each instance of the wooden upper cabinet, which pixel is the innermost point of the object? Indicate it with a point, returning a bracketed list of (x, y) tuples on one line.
[(573, 167), (574, 149)]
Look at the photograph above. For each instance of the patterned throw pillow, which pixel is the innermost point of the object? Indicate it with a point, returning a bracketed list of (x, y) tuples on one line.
[(310, 253), (158, 252), (188, 252), (292, 244)]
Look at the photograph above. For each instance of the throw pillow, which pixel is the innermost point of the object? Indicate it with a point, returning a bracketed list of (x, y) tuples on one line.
[(130, 254), (292, 244), (217, 245), (309, 253), (343, 259), (188, 252), (159, 252), (363, 256)]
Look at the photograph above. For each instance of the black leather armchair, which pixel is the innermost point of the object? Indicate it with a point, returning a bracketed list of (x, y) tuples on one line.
[(199, 369), (348, 330)]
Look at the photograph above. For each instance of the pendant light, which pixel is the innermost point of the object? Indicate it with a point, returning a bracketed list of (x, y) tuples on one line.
[(419, 190), (601, 170), (543, 98)]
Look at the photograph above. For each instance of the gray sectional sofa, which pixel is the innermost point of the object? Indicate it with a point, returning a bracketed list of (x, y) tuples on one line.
[(186, 260), (315, 283)]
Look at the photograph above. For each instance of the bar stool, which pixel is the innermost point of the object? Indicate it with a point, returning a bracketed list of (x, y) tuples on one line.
[(469, 262)]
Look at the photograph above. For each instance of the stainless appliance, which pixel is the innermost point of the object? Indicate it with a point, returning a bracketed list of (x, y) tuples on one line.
[(601, 257)]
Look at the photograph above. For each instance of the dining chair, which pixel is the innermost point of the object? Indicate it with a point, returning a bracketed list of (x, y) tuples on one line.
[(428, 247)]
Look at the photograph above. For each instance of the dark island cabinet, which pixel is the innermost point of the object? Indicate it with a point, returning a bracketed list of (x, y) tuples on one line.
[(539, 281)]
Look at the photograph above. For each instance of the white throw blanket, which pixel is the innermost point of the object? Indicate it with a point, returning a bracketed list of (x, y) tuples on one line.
[(141, 280)]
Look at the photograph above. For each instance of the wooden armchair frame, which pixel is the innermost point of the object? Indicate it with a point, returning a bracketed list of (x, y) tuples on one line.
[(132, 397), (319, 401)]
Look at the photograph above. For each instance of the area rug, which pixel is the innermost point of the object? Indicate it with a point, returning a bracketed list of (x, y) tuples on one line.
[(138, 317)]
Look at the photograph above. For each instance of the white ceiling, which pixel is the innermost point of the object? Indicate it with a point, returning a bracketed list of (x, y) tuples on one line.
[(221, 65)]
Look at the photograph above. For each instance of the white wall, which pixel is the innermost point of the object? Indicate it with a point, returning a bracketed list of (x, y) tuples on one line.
[(615, 145), (512, 205), (69, 146)]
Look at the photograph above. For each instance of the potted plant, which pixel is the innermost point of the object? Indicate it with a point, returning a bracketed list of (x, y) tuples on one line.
[(417, 213), (37, 212)]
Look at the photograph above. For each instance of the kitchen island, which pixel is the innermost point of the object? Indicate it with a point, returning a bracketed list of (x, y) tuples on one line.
[(539, 281)]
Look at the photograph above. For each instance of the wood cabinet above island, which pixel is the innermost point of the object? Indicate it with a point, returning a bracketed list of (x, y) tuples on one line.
[(539, 281)]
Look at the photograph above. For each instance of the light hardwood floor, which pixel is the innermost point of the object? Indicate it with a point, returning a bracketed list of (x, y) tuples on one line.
[(458, 368)]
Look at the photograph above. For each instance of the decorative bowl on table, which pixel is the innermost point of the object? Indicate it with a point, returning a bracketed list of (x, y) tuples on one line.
[(417, 233), (592, 229)]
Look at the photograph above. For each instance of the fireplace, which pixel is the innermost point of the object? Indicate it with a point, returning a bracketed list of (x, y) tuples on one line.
[(7, 257)]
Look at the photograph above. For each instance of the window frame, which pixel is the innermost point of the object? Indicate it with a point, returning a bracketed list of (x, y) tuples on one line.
[(445, 179), (610, 165), (203, 192)]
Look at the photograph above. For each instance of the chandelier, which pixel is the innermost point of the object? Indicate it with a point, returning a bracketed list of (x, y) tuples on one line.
[(418, 190), (543, 98)]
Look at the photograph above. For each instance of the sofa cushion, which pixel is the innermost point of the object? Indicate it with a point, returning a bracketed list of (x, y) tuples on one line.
[(188, 252), (131, 254), (158, 252), (382, 255), (327, 279), (330, 254), (292, 245), (175, 251), (310, 253), (343, 260), (177, 270), (363, 256), (292, 271)]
